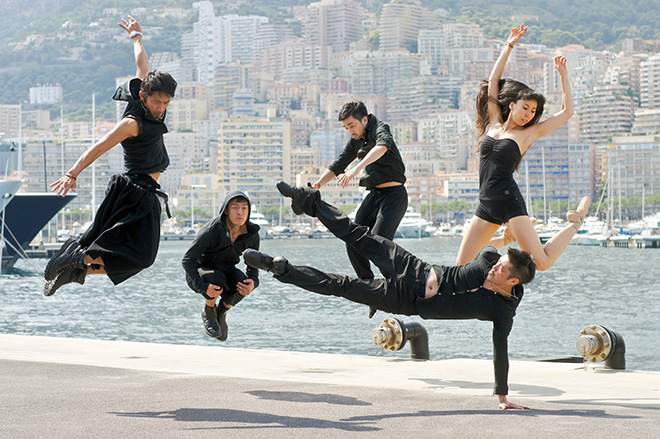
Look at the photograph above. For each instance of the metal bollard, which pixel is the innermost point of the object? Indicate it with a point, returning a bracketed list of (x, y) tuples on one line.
[(596, 343), (393, 334)]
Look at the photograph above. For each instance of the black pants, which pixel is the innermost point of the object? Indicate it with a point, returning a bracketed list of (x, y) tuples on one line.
[(381, 211), (226, 278), (405, 274)]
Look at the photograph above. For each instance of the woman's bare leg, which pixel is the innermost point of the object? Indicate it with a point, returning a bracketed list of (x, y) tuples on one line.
[(546, 255), (478, 234)]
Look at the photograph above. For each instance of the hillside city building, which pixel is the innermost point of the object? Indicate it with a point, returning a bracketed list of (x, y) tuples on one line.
[(258, 102)]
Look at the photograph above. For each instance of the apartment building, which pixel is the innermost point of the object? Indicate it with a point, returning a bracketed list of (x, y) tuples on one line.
[(253, 155)]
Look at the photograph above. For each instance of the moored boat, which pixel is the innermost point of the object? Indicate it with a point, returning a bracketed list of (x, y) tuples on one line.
[(412, 226), (24, 215), (260, 220)]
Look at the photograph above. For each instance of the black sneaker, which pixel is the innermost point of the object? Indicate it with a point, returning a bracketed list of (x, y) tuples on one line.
[(210, 322), (68, 247), (221, 312), (262, 261), (293, 192), (72, 257), (73, 275)]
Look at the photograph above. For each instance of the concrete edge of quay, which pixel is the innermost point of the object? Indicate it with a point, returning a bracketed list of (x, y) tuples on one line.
[(547, 381)]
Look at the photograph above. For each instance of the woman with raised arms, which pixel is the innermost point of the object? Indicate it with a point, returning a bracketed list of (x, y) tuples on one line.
[(507, 121)]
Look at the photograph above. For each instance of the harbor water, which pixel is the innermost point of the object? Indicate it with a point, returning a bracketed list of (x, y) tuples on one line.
[(613, 287)]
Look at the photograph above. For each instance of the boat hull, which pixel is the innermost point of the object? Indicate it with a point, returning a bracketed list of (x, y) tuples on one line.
[(25, 215)]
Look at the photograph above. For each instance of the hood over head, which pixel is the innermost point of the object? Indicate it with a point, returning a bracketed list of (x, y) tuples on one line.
[(231, 196)]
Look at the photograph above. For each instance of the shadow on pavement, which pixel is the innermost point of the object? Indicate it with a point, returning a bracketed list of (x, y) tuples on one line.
[(261, 420), (326, 398), (521, 389), (532, 413)]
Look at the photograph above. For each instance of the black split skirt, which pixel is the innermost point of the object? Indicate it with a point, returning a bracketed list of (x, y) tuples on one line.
[(126, 228)]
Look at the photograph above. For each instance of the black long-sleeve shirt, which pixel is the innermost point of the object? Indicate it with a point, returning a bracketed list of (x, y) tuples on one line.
[(388, 168), (213, 249), (457, 300)]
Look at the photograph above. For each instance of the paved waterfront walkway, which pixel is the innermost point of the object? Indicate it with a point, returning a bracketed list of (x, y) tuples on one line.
[(70, 388)]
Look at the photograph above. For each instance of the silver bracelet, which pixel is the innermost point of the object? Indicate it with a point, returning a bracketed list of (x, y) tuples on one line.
[(134, 34)]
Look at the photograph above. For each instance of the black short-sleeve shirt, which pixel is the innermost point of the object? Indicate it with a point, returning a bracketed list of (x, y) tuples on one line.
[(388, 168)]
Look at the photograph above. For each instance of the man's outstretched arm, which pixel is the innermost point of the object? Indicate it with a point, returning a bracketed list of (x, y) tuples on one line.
[(123, 130), (135, 32), (501, 330)]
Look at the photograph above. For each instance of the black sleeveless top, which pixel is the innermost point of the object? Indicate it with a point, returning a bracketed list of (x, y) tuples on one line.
[(144, 153), (497, 163)]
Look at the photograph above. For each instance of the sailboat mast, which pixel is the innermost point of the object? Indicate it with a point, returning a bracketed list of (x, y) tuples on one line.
[(545, 210), (618, 169), (94, 163), (527, 197), (20, 142), (62, 225)]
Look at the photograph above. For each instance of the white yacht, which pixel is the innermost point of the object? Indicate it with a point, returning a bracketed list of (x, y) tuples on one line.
[(412, 226), (260, 220), (592, 232)]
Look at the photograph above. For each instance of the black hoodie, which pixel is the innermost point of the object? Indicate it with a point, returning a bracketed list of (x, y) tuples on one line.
[(213, 249)]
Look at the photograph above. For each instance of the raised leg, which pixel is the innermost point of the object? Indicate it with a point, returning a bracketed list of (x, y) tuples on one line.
[(391, 295), (546, 255), (390, 258), (478, 234)]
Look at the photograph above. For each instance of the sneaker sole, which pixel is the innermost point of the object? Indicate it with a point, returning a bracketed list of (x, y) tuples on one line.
[(52, 286)]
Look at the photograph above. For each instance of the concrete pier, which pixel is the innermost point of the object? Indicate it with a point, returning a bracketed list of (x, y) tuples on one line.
[(69, 388)]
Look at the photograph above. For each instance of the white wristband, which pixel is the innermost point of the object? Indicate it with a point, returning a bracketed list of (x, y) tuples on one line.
[(134, 34)]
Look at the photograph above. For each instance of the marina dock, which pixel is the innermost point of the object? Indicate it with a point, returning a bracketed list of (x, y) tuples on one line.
[(68, 388), (634, 241)]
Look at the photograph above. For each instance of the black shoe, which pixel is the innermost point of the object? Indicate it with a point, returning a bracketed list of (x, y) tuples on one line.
[(302, 198), (73, 257), (210, 322), (65, 277), (221, 312), (372, 312), (70, 246), (278, 266), (293, 192)]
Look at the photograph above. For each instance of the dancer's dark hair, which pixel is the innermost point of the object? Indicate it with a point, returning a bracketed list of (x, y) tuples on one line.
[(510, 91), (523, 266), (354, 109), (158, 81)]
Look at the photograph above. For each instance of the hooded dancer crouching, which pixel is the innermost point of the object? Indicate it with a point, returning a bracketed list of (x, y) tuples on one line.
[(210, 262)]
